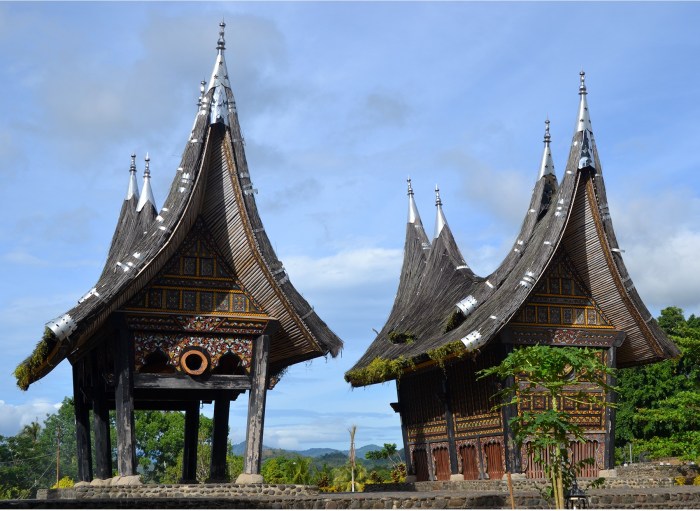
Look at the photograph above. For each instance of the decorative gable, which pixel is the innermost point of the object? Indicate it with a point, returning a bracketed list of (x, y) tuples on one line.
[(561, 299)]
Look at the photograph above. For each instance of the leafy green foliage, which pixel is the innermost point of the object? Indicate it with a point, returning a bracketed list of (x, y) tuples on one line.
[(659, 409), (398, 467), (24, 371), (548, 371), (401, 337), (379, 370), (456, 318)]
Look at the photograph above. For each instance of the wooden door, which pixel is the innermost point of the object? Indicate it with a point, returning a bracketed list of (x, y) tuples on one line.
[(441, 457), (581, 451), (420, 465), (494, 461), (470, 462)]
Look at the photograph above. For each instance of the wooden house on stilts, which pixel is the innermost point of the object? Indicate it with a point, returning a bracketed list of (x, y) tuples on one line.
[(563, 283), (192, 306)]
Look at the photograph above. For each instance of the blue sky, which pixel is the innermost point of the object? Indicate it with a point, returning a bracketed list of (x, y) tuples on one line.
[(339, 103)]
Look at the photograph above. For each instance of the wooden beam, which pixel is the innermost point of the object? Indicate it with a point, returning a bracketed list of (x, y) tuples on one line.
[(100, 418), (184, 382), (82, 422), (256, 406), (124, 399), (219, 442), (189, 456)]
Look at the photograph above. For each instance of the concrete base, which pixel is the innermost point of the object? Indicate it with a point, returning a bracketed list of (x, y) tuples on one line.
[(456, 477), (514, 476), (249, 479), (411, 479), (608, 473)]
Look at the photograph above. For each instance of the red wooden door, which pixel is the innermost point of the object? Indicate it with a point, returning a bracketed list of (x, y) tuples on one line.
[(470, 462), (584, 451), (441, 457), (420, 465), (494, 461)]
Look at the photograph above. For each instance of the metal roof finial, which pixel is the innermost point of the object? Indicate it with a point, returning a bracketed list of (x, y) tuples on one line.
[(133, 189), (547, 165), (413, 216), (582, 87), (221, 43), (440, 221), (147, 170), (147, 191), (410, 188)]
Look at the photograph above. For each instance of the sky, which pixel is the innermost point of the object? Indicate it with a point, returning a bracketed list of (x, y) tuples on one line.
[(339, 103)]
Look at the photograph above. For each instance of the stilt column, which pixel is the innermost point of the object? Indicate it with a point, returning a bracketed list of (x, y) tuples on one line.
[(189, 457), (100, 420), (256, 410), (124, 401), (219, 441), (82, 422)]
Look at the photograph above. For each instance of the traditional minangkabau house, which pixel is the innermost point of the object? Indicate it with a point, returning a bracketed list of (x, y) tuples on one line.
[(192, 306), (563, 283)]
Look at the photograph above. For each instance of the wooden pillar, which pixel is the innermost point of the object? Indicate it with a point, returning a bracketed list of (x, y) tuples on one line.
[(219, 441), (124, 400), (82, 422), (100, 419), (514, 463), (449, 419), (256, 411), (404, 432), (189, 456), (609, 460)]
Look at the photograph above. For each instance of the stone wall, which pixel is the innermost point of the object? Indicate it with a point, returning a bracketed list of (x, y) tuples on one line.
[(680, 497)]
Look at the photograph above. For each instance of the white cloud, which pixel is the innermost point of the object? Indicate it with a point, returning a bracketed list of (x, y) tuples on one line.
[(346, 269), (14, 417)]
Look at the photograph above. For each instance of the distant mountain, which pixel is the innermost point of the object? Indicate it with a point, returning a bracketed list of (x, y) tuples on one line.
[(323, 453)]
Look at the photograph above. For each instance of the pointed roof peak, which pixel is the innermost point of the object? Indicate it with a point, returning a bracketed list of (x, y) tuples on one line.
[(147, 191), (583, 126), (547, 164), (584, 119), (133, 189), (440, 220), (413, 216), (220, 106)]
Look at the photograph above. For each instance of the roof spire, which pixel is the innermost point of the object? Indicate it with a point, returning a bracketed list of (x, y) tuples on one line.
[(413, 216), (202, 88), (547, 165), (584, 120), (147, 192), (133, 189), (219, 82), (583, 126), (440, 221)]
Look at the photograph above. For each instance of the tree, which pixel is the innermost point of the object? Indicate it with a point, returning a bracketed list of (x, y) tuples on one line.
[(550, 371), (389, 452), (659, 402)]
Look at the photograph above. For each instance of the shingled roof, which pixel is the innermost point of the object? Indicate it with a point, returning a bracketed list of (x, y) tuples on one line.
[(572, 218), (211, 185)]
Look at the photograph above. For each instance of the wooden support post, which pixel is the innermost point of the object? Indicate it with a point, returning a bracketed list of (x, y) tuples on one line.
[(404, 433), (100, 419), (189, 456), (124, 400), (513, 455), (451, 443), (217, 466), (256, 411), (82, 422), (609, 460)]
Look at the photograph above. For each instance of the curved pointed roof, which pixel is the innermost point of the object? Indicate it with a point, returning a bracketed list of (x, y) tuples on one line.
[(211, 185), (575, 223)]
